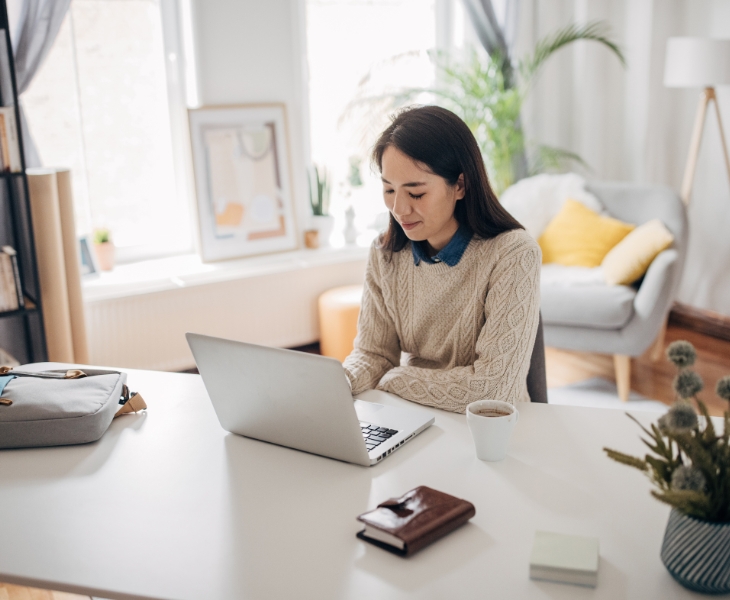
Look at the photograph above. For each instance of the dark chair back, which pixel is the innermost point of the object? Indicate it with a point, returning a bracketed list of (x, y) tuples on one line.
[(536, 377)]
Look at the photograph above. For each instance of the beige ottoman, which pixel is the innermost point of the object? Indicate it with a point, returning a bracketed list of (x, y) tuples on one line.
[(339, 309)]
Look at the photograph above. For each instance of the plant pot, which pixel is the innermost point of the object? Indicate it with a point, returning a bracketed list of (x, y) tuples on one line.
[(105, 255), (324, 224), (697, 553), (311, 239)]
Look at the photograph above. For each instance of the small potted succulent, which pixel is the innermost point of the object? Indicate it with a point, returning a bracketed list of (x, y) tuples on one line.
[(104, 249), (319, 196), (689, 465)]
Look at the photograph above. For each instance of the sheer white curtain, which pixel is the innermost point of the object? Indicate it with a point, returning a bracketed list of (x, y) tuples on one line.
[(34, 26), (495, 24), (627, 125)]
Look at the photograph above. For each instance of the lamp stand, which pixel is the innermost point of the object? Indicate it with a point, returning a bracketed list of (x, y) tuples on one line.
[(707, 96)]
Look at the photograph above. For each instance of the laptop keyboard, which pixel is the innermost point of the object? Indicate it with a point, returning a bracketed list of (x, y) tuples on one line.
[(374, 435)]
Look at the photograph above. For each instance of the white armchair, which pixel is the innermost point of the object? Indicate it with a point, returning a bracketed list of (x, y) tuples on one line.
[(621, 320)]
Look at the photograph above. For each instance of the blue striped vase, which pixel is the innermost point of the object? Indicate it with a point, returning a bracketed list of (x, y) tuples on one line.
[(697, 553)]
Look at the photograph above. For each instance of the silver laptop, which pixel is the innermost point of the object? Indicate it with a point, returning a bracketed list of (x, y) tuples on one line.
[(299, 400)]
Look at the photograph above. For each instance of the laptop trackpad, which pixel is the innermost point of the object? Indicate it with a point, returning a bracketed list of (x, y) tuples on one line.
[(391, 416), (365, 409)]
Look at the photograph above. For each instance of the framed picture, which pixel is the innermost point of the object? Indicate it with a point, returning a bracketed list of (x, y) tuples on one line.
[(87, 257), (242, 180)]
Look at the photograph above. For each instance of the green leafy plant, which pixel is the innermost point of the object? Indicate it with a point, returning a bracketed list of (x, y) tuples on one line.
[(689, 463), (354, 178), (488, 93), (102, 236), (319, 190)]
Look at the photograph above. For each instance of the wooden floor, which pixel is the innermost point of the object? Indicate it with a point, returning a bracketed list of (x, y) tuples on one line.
[(16, 592), (651, 379)]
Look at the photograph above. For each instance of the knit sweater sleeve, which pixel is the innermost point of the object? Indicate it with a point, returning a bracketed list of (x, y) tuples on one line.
[(503, 347), (376, 348)]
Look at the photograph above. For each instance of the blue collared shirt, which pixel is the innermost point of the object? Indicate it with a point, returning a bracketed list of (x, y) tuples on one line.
[(450, 254)]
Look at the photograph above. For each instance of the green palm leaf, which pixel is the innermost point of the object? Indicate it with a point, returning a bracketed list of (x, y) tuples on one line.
[(596, 31), (550, 158)]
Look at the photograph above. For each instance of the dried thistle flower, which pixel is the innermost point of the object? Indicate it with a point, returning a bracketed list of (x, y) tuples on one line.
[(680, 436), (688, 384), (723, 388), (688, 478), (681, 417), (682, 354)]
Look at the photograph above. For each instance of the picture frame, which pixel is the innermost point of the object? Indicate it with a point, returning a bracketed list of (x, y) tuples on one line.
[(242, 180), (87, 257)]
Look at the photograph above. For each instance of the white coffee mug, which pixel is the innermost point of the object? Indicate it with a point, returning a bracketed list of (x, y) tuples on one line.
[(491, 433)]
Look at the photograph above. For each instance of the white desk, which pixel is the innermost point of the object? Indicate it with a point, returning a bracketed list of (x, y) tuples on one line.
[(169, 505)]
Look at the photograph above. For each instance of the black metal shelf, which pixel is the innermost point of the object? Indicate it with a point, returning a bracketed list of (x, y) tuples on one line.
[(22, 331), (18, 312)]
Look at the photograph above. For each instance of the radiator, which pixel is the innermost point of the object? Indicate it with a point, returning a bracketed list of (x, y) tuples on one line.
[(147, 330)]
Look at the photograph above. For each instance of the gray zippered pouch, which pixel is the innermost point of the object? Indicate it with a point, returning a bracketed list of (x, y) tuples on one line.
[(60, 407)]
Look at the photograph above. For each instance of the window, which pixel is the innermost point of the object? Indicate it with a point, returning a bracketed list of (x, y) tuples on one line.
[(346, 39), (108, 103), (388, 40)]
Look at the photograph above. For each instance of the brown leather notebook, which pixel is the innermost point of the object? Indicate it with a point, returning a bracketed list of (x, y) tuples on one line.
[(405, 525)]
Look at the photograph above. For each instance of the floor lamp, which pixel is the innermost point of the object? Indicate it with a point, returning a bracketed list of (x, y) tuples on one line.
[(696, 63), (703, 63)]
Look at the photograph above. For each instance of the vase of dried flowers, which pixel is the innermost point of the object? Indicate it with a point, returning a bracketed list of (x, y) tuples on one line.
[(689, 465)]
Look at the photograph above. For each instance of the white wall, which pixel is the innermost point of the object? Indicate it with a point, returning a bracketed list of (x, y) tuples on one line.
[(628, 126)]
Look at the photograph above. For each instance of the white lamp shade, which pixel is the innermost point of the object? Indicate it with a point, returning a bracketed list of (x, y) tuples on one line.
[(697, 62)]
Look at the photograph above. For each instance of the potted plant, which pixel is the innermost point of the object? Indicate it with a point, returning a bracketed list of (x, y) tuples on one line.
[(319, 196), (104, 249), (487, 92), (689, 465)]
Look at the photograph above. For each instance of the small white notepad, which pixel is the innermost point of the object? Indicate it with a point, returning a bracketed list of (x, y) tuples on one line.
[(564, 558)]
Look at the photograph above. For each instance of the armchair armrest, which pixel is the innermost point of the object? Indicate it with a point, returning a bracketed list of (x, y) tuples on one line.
[(655, 294)]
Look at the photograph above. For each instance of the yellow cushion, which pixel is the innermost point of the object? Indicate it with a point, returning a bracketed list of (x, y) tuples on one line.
[(631, 257), (580, 237)]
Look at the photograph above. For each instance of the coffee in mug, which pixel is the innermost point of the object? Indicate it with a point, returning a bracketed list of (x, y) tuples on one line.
[(491, 423), (491, 412)]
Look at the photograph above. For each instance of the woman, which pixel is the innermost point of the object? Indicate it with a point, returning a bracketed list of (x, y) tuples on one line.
[(454, 281)]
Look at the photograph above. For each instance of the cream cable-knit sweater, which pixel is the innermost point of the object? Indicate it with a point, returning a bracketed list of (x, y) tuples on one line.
[(467, 331)]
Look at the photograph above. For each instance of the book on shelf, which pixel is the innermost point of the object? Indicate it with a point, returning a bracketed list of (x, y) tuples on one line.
[(9, 145), (11, 290)]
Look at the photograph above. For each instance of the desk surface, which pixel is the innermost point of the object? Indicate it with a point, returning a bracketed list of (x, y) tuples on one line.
[(169, 505)]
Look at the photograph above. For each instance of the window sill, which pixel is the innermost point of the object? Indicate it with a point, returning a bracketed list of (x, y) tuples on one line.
[(188, 270)]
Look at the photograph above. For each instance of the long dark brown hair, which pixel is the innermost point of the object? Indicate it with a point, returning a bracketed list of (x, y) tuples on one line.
[(442, 142)]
